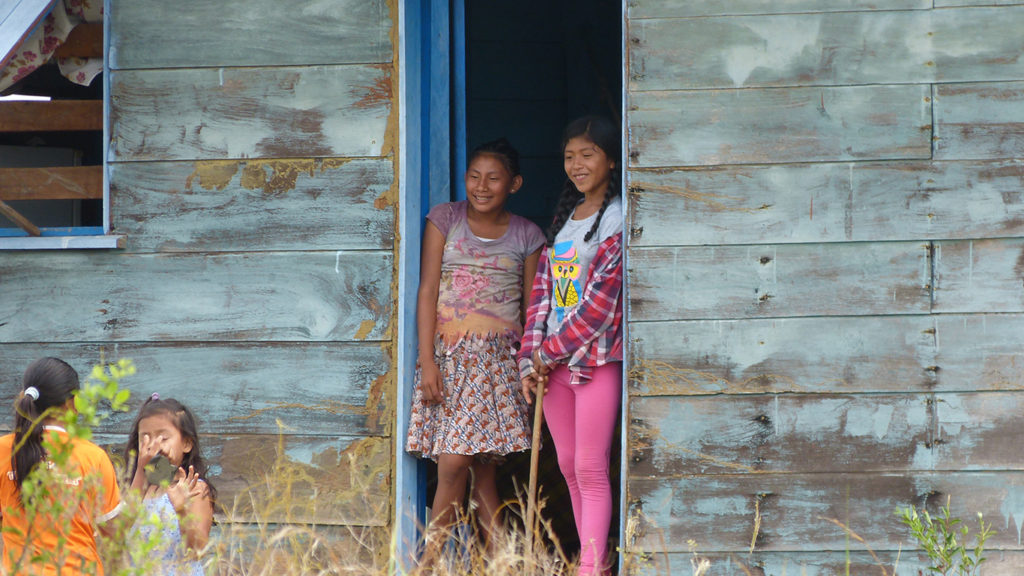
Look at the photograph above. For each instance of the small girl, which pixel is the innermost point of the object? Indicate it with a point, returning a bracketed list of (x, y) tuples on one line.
[(57, 545), (573, 334), (478, 260), (183, 504)]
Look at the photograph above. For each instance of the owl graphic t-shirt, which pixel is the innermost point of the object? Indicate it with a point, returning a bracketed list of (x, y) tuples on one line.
[(570, 259)]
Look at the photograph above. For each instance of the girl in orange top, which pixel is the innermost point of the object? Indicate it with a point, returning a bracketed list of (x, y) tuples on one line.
[(58, 536)]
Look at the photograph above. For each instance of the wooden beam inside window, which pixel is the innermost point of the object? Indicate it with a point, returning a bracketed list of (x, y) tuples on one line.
[(52, 116), (53, 183)]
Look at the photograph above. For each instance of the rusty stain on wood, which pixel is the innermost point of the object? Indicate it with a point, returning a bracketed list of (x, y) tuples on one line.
[(660, 378), (365, 327), (274, 177), (330, 486), (711, 200)]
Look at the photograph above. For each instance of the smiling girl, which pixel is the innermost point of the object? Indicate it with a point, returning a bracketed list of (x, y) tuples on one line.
[(573, 334), (467, 412)]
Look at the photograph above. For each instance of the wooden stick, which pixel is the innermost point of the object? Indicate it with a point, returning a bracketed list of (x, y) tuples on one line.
[(16, 217), (531, 494)]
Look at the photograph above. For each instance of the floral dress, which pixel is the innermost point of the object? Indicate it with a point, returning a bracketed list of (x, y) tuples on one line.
[(477, 333), (160, 523)]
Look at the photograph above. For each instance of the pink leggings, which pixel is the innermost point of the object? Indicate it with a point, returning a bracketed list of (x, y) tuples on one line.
[(582, 422)]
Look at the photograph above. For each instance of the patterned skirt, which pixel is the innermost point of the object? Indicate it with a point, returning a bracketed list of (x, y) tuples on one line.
[(483, 413)]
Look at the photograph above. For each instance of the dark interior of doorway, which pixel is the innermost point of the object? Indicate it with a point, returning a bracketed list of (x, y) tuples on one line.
[(531, 67)]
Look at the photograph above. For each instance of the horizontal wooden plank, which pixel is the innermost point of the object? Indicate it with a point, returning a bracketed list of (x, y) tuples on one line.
[(905, 562), (845, 355), (795, 513), (52, 115), (109, 297), (246, 388), (226, 113), (826, 203), (827, 48), (979, 120), (226, 205), (685, 8), (342, 480), (979, 276), (267, 548), (770, 126), (720, 282), (953, 3), (980, 352), (686, 435), (52, 183), (152, 34), (979, 431)]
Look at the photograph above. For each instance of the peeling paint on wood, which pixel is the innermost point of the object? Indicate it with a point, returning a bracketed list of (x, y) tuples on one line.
[(227, 205), (286, 112), (796, 510), (154, 34), (685, 8), (979, 276), (243, 388), (980, 352), (683, 436), (708, 127), (323, 481), (848, 354), (979, 431), (284, 296), (827, 48), (781, 280), (979, 120), (807, 203), (807, 563)]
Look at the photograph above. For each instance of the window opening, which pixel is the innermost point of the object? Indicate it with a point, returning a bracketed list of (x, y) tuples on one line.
[(52, 123)]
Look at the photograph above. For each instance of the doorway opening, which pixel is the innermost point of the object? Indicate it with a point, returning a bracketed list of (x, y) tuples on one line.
[(521, 70), (532, 66)]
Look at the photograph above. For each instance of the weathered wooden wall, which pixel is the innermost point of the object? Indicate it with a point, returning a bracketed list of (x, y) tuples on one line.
[(825, 263), (252, 169)]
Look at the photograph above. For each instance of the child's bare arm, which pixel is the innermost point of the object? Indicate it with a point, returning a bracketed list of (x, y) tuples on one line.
[(191, 499), (426, 311)]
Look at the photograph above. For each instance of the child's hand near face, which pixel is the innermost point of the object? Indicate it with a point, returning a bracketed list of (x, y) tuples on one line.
[(185, 489)]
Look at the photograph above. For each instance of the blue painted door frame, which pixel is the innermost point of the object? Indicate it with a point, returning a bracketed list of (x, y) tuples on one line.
[(432, 101)]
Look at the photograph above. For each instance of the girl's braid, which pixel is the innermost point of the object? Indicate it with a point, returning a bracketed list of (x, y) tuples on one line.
[(566, 204), (610, 192)]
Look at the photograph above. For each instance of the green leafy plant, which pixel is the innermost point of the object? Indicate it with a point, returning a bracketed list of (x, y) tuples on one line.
[(944, 539)]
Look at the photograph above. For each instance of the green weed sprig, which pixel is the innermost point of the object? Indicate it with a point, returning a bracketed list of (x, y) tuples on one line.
[(944, 539)]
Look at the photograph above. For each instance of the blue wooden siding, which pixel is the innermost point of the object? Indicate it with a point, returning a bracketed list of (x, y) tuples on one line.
[(825, 279), (252, 169)]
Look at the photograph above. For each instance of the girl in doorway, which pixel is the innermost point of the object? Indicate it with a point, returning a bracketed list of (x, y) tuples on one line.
[(478, 261), (573, 334), (183, 501), (79, 496)]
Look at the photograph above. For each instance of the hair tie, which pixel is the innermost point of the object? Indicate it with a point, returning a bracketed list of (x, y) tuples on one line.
[(32, 392), (154, 396)]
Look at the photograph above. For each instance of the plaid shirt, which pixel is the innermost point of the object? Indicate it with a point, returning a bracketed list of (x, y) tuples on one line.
[(591, 334)]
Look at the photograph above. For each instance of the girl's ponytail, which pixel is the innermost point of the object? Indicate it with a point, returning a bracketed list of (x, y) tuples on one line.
[(47, 383)]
